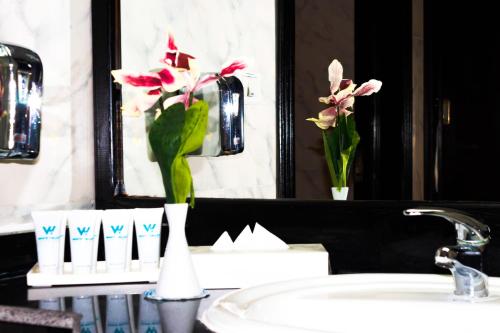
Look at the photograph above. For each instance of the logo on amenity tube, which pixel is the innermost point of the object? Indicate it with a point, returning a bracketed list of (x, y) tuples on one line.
[(83, 231), (149, 227), (117, 228), (49, 230)]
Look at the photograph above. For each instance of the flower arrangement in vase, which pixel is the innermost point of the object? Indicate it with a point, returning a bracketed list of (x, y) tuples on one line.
[(178, 129), (338, 127)]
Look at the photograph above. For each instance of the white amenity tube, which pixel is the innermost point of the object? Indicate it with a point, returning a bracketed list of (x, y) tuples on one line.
[(118, 228), (85, 306), (84, 228), (50, 231), (149, 317), (148, 229), (118, 318)]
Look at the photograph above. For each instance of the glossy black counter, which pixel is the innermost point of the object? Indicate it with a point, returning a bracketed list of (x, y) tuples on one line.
[(106, 308)]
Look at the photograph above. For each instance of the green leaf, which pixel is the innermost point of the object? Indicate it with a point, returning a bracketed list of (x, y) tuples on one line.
[(354, 137), (165, 139), (173, 135), (340, 147), (195, 127), (182, 180), (329, 156), (193, 133), (332, 154)]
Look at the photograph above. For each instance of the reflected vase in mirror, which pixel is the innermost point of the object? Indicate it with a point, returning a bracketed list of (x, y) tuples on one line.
[(340, 193), (21, 76)]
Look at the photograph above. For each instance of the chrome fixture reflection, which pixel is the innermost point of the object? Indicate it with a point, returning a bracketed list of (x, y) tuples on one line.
[(464, 260), (225, 118), (21, 76)]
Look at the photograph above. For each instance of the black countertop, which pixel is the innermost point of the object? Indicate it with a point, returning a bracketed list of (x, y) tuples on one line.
[(104, 308), (361, 237)]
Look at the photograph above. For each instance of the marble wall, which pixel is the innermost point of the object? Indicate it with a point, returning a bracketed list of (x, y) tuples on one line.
[(63, 176), (60, 32), (214, 31)]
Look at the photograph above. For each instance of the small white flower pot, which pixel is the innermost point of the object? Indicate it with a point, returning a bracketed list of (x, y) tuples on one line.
[(340, 194)]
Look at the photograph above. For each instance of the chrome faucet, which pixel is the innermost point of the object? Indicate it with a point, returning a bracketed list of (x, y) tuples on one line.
[(472, 237)]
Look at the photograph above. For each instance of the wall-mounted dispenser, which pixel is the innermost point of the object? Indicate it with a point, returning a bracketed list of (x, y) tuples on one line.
[(225, 129), (21, 76), (225, 118)]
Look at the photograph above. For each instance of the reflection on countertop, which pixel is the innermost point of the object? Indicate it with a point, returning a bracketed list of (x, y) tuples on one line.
[(109, 308)]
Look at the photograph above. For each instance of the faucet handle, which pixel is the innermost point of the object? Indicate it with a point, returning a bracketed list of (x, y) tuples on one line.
[(470, 231)]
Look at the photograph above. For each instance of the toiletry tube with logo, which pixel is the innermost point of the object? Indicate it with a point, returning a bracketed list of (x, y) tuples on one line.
[(148, 229), (118, 228), (149, 317), (117, 314), (50, 230), (84, 228), (84, 305)]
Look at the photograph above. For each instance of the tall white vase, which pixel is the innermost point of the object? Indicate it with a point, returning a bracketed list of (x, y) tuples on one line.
[(340, 194), (178, 278)]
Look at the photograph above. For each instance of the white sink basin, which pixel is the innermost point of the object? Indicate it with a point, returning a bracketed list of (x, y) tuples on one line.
[(356, 303)]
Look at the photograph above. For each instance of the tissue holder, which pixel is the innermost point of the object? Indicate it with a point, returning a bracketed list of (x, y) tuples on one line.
[(238, 269), (215, 270)]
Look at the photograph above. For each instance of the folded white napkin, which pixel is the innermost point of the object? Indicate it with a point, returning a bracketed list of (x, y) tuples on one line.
[(259, 240)]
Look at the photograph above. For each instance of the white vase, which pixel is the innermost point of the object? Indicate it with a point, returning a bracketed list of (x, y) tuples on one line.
[(178, 280), (340, 194)]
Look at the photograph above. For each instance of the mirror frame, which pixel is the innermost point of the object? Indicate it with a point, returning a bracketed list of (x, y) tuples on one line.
[(108, 145)]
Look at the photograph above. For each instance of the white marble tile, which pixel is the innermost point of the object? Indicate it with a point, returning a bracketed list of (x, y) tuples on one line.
[(62, 178), (214, 31)]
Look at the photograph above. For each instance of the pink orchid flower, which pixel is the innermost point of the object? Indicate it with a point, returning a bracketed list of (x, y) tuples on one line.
[(342, 96), (180, 71), (194, 82)]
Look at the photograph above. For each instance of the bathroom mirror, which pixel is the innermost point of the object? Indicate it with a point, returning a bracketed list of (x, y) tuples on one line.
[(215, 32), (428, 134), (388, 159), (270, 73)]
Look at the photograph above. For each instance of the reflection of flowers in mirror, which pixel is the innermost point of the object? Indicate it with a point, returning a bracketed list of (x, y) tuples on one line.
[(340, 137), (180, 119)]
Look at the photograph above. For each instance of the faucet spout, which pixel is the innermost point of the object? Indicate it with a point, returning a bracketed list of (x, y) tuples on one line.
[(470, 231), (468, 281)]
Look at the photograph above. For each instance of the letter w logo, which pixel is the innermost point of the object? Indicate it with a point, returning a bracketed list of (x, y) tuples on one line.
[(83, 231), (49, 230), (151, 330), (149, 227), (117, 228)]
